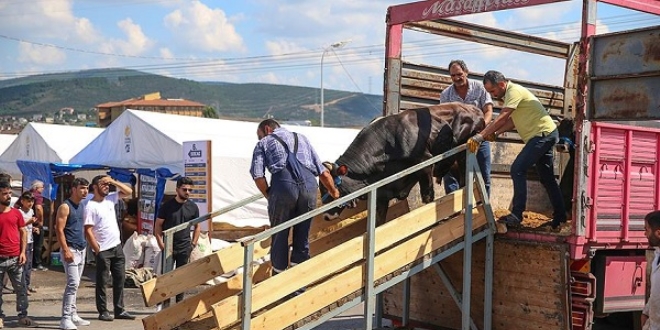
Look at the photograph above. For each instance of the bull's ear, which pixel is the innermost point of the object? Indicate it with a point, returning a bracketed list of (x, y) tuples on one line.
[(342, 170)]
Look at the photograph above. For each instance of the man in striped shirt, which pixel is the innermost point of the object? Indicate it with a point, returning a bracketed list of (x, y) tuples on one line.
[(472, 92), (294, 166)]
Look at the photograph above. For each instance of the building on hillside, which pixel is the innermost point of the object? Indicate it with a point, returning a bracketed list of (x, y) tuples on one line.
[(107, 112)]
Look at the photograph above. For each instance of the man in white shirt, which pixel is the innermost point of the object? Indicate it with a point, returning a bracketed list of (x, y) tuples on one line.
[(651, 313), (468, 91), (103, 236)]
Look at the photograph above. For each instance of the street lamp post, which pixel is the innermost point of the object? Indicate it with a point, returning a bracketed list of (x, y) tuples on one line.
[(336, 45)]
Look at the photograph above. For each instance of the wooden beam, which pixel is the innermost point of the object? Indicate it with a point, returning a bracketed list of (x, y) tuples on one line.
[(197, 272), (199, 304), (223, 261), (227, 311), (345, 283), (329, 235)]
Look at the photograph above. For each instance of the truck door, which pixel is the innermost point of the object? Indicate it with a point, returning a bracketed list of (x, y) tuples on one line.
[(622, 176), (625, 75)]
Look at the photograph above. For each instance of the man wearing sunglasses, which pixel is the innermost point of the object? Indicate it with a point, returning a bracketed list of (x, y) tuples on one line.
[(102, 232), (174, 212)]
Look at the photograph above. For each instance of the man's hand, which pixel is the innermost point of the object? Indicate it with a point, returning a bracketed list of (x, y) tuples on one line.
[(474, 142), (68, 256), (644, 319), (22, 259)]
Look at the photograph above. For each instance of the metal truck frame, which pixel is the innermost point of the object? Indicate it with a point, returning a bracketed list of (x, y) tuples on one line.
[(600, 265)]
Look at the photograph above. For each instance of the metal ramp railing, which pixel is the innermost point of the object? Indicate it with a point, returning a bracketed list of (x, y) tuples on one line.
[(356, 270)]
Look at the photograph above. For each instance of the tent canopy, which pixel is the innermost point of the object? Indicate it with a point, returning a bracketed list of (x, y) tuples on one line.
[(141, 139), (46, 143)]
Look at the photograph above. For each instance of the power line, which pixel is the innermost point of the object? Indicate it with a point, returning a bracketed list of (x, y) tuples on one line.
[(299, 60)]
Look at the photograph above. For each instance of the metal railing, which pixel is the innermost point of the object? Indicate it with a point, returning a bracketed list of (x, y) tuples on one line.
[(371, 292), (168, 235)]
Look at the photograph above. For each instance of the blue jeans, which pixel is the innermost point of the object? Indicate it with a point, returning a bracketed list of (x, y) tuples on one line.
[(537, 151), (15, 272), (73, 271), (483, 159)]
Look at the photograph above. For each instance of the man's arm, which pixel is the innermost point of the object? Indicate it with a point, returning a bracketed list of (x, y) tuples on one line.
[(124, 189), (158, 232), (39, 214), (22, 259), (488, 112), (499, 123), (60, 223), (91, 239), (262, 185), (196, 232), (329, 183)]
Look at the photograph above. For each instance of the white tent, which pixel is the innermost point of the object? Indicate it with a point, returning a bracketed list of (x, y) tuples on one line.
[(6, 140), (140, 139), (46, 143)]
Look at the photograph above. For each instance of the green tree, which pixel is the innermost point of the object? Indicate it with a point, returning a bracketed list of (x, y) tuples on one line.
[(209, 112)]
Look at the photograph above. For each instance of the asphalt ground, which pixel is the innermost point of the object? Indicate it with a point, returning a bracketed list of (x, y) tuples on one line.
[(46, 306)]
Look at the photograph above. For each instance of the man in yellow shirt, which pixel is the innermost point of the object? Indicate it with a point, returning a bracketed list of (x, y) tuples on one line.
[(524, 112)]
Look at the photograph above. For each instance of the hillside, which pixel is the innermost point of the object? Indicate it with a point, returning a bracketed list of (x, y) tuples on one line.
[(83, 90)]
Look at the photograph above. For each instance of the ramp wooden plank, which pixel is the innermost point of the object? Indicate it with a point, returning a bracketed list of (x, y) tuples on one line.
[(267, 292), (199, 304), (335, 232), (351, 280), (168, 285), (197, 272)]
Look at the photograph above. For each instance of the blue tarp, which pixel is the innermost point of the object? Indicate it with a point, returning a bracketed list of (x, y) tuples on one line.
[(47, 172)]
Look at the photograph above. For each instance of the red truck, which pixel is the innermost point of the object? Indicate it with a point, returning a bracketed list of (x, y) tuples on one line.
[(596, 265)]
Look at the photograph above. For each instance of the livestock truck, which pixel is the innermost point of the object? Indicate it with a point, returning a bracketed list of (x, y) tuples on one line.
[(596, 264)]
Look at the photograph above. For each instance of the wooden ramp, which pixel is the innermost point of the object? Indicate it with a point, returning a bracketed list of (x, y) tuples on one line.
[(333, 276)]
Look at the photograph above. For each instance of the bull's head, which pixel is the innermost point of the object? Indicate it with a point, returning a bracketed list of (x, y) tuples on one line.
[(337, 173)]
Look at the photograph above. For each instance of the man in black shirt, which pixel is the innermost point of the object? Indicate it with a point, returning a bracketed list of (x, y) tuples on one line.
[(174, 212)]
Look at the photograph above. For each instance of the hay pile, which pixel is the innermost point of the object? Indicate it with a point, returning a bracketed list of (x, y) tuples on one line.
[(536, 222)]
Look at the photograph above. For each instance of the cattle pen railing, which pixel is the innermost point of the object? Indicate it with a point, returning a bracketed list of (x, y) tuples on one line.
[(245, 305)]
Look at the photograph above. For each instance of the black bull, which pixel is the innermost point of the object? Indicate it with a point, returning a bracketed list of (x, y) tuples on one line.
[(397, 142)]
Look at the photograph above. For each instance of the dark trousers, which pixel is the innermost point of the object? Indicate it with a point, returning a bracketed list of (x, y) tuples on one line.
[(36, 248), (289, 198), (27, 267), (537, 151), (110, 260), (483, 159), (181, 256)]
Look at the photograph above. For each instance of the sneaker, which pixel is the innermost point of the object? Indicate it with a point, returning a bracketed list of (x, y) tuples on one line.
[(79, 321), (67, 324), (105, 316), (510, 220), (27, 322), (31, 289), (41, 267)]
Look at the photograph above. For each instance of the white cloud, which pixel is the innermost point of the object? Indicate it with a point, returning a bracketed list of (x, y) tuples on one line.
[(202, 28), (40, 55), (166, 53), (136, 42)]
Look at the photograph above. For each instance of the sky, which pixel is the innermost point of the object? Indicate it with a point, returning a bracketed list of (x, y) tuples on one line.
[(269, 41)]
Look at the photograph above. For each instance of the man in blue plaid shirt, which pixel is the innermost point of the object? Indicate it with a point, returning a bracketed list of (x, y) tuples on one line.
[(469, 92), (294, 166)]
